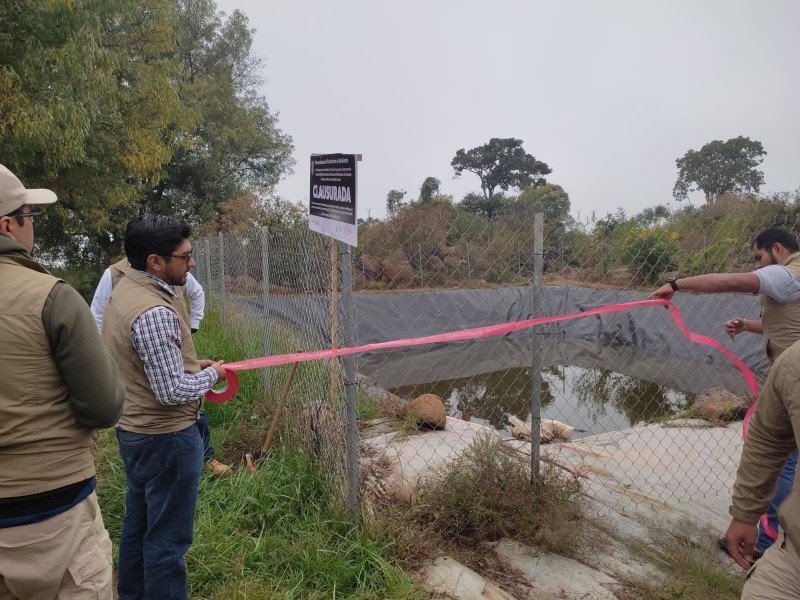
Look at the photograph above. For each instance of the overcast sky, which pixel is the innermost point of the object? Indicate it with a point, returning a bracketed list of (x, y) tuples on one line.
[(607, 93)]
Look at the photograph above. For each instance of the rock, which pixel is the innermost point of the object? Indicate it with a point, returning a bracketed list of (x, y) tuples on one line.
[(447, 576), (371, 266), (246, 284), (720, 404), (427, 409), (434, 263), (443, 250), (405, 462), (552, 577), (397, 271), (452, 262)]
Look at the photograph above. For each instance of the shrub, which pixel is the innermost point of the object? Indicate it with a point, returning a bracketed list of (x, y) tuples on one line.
[(649, 253), (487, 494), (715, 258)]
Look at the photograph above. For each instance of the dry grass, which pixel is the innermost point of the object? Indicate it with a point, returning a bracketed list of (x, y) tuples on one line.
[(482, 497)]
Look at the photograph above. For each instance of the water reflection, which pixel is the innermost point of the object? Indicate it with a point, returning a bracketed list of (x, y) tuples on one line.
[(591, 400)]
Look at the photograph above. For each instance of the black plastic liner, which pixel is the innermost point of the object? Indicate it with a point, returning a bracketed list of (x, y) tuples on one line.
[(642, 342)]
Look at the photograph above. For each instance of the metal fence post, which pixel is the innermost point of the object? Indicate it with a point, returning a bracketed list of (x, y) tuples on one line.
[(207, 271), (349, 363), (200, 261), (265, 302), (419, 251), (536, 344), (222, 303)]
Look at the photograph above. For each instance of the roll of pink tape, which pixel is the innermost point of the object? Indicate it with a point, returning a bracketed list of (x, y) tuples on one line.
[(226, 393)]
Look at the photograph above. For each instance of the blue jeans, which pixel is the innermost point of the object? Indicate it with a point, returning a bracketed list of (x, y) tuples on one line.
[(785, 483), (205, 434), (163, 473)]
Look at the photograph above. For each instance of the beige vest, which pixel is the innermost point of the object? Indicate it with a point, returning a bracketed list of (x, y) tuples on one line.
[(781, 321), (42, 447), (134, 294)]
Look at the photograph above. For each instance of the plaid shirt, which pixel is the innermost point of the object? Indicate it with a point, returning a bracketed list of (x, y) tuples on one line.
[(156, 335)]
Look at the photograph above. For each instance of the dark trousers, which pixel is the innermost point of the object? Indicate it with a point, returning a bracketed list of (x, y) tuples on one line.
[(163, 473)]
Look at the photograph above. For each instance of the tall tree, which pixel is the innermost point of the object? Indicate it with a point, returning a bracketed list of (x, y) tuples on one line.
[(85, 92), (429, 189), (122, 106), (550, 199), (232, 142), (485, 207), (394, 200), (502, 163), (720, 167)]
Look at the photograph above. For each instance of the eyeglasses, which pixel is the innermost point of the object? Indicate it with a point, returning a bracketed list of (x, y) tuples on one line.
[(31, 215), (187, 257)]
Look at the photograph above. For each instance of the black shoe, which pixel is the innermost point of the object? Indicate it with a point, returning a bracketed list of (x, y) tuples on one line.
[(723, 544)]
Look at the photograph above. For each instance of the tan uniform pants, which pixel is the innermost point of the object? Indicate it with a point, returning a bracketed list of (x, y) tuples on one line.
[(66, 557), (776, 575)]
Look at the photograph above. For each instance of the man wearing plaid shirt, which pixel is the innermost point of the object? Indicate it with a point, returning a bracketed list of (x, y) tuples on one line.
[(147, 329)]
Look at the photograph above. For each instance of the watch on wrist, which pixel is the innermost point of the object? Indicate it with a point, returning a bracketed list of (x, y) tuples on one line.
[(673, 283)]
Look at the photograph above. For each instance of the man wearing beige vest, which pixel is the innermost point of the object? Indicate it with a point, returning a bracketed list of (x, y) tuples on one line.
[(193, 292), (146, 326), (59, 386), (777, 279)]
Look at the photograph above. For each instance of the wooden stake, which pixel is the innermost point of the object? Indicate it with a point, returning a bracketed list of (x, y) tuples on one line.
[(279, 409)]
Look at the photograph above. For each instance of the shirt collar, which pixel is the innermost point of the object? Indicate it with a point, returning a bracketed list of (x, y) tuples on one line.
[(161, 283)]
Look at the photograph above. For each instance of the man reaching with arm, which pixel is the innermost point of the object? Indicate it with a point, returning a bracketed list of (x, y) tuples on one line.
[(777, 279)]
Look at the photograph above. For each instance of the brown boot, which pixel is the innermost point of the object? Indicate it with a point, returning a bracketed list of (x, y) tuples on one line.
[(217, 468)]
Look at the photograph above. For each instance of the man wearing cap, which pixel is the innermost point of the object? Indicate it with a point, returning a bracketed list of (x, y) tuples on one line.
[(60, 385), (146, 326)]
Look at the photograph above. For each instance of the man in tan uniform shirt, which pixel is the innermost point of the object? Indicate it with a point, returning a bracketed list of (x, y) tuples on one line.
[(59, 386), (773, 435)]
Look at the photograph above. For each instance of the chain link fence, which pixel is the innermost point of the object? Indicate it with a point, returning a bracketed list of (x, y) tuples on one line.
[(618, 381)]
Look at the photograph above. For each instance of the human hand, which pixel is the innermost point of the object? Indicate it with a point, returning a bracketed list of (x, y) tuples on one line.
[(221, 374), (735, 326), (665, 292), (741, 540), (205, 363)]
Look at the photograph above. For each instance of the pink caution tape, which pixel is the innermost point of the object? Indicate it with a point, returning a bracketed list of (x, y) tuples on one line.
[(227, 392), (477, 333)]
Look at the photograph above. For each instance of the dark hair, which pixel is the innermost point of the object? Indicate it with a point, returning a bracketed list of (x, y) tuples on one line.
[(775, 235), (153, 234)]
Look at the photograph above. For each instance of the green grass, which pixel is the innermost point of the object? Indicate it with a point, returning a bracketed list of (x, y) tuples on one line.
[(693, 566), (281, 533)]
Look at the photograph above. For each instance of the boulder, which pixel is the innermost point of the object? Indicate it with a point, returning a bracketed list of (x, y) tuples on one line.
[(246, 284), (720, 404), (451, 262), (427, 409), (371, 266), (434, 263), (397, 271)]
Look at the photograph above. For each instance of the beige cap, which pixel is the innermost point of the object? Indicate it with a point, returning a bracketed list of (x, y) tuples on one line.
[(13, 194)]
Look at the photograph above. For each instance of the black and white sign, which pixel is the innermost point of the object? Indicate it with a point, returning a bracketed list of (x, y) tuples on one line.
[(332, 202)]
